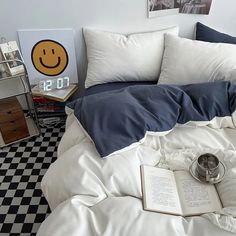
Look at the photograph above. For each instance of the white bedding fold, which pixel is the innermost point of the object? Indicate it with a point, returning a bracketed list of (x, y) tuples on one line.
[(121, 216), (100, 190)]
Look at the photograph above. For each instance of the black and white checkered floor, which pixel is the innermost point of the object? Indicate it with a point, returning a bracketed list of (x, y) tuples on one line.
[(22, 166)]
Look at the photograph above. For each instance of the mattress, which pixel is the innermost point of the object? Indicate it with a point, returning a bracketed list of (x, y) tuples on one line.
[(89, 195)]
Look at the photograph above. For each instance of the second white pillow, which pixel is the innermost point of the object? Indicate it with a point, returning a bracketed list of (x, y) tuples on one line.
[(188, 61)]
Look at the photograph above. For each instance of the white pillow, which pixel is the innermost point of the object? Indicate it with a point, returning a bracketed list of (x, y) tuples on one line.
[(114, 57), (188, 61)]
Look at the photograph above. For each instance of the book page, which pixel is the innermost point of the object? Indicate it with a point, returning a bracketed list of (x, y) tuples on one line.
[(196, 198), (61, 94), (160, 191)]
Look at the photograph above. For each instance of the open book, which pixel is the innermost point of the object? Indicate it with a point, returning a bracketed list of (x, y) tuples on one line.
[(60, 95), (177, 193)]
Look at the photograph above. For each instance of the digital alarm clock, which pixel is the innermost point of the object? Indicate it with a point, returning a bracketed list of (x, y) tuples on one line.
[(52, 84)]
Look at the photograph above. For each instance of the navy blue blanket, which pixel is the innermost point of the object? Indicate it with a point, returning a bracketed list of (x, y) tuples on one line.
[(116, 119)]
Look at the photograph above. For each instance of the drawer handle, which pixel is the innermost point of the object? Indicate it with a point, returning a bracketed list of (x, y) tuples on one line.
[(12, 121), (14, 130), (9, 112)]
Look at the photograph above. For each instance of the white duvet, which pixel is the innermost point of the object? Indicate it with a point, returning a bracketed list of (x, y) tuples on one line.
[(90, 196)]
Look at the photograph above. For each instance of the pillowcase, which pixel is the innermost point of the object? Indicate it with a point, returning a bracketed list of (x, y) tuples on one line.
[(114, 57), (207, 34), (188, 61)]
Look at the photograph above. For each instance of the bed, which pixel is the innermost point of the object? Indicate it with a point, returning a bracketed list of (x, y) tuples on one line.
[(94, 187)]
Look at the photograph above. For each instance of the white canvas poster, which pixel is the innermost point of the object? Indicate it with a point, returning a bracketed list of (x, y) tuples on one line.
[(49, 53)]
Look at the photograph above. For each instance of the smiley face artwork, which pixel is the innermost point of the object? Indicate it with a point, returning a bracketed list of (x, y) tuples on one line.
[(49, 57)]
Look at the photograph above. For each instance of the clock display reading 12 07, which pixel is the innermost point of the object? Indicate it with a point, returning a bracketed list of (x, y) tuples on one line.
[(52, 84)]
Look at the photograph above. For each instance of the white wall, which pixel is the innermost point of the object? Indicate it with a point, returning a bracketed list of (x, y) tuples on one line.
[(113, 15)]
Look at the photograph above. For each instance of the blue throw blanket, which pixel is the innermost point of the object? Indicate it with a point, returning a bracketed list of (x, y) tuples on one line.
[(116, 119)]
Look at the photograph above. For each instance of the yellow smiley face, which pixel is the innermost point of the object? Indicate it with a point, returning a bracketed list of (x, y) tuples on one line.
[(49, 57)]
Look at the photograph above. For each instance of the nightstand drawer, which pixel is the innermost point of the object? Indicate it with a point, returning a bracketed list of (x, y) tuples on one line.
[(10, 116), (12, 120), (9, 104), (14, 131)]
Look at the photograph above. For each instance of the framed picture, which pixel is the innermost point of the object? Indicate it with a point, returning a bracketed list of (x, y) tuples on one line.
[(162, 7), (48, 54), (10, 51), (195, 6), (170, 7)]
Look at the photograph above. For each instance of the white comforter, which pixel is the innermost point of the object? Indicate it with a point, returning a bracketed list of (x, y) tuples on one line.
[(94, 196)]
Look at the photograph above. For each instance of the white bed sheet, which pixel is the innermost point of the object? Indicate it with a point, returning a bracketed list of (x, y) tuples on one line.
[(94, 196)]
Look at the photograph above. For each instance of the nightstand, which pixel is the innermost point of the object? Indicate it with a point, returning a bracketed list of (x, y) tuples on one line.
[(16, 125)]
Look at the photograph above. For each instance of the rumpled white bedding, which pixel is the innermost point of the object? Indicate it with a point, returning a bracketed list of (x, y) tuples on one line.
[(94, 196)]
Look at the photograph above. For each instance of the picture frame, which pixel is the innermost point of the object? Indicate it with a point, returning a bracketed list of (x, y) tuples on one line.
[(10, 51), (201, 7), (158, 8)]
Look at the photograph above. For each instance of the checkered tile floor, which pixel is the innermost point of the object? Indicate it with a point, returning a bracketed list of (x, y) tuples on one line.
[(22, 166)]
